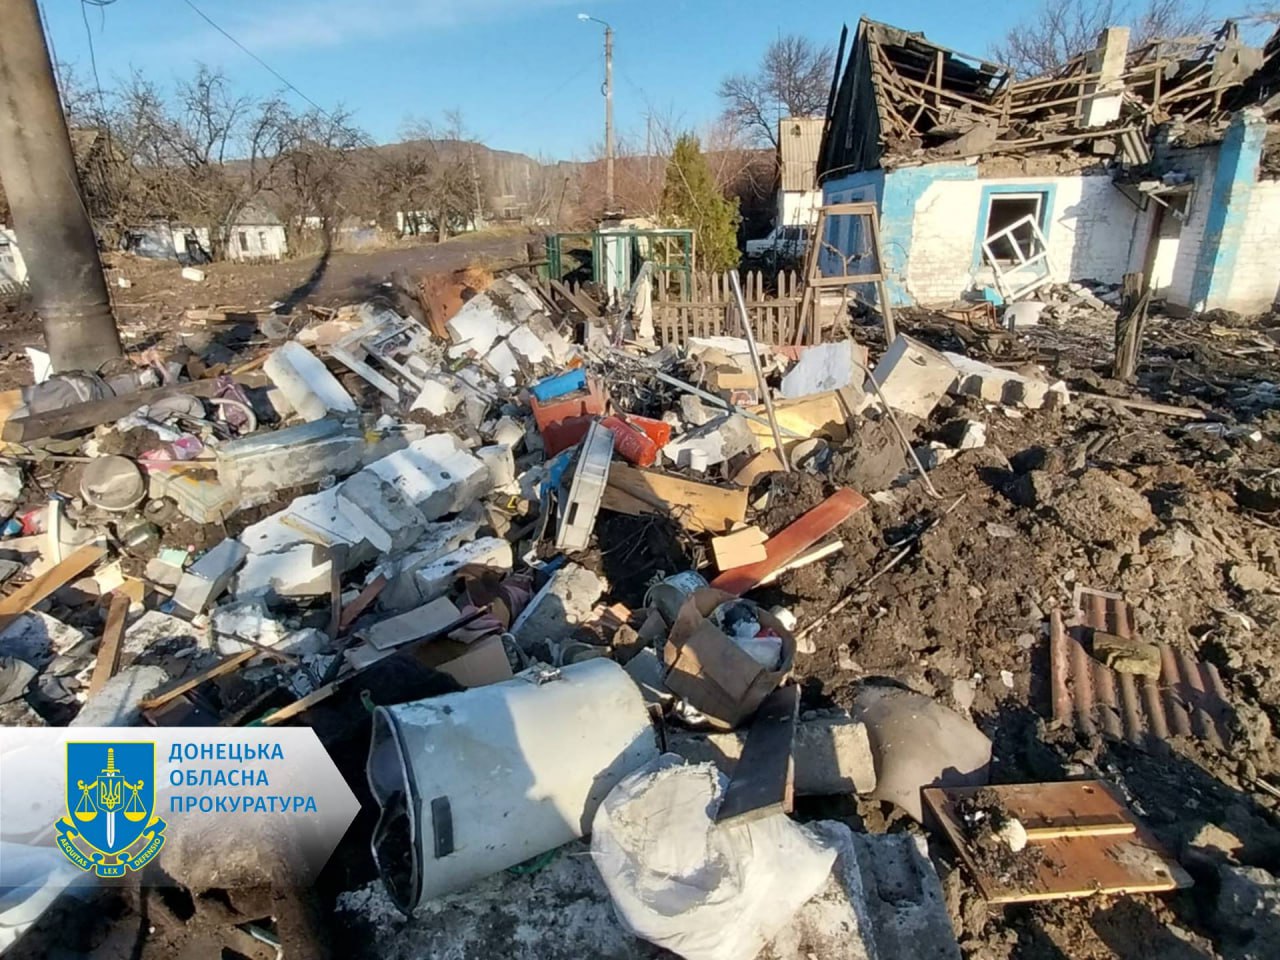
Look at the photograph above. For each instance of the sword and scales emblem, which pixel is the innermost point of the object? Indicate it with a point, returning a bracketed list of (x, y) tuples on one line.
[(110, 788)]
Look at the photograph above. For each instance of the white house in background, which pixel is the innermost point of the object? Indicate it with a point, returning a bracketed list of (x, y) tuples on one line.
[(799, 196), (13, 269), (256, 234)]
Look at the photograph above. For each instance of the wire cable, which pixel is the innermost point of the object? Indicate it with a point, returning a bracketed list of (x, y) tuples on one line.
[(266, 66)]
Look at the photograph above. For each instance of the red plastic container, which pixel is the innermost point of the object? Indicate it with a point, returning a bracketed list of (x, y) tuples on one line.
[(638, 439), (564, 421)]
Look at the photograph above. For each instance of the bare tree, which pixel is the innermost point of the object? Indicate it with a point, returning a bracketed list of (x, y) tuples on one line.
[(313, 158), (792, 80), (436, 176), (1061, 29)]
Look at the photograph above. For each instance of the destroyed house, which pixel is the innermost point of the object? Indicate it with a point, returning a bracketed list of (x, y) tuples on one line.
[(1149, 158)]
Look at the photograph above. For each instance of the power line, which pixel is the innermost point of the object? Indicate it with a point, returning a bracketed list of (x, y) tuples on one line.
[(270, 69), (93, 57)]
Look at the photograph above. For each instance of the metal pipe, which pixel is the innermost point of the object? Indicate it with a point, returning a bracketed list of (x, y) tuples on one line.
[(755, 362)]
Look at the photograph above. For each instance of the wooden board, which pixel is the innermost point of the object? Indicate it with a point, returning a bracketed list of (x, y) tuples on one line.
[(33, 591), (696, 506), (82, 416), (793, 541), (108, 661), (1088, 840), (217, 670), (764, 778)]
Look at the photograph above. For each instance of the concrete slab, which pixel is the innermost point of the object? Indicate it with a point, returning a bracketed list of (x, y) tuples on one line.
[(475, 327), (437, 398), (386, 519), (159, 633), (36, 637), (912, 377), (306, 383), (555, 611), (401, 591), (260, 464), (116, 704), (206, 579), (996, 385), (436, 474), (832, 754), (437, 578)]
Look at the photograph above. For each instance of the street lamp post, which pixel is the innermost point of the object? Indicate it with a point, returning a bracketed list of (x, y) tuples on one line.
[(608, 110)]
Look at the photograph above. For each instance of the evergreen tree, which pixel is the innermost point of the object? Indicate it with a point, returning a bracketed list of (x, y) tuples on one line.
[(691, 198)]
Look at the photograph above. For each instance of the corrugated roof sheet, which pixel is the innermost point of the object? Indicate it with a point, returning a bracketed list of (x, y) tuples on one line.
[(1189, 698), (799, 140)]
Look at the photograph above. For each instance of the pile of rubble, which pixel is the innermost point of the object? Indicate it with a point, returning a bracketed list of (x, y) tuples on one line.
[(625, 562)]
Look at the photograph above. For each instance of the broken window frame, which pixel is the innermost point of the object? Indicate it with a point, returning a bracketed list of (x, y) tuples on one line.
[(1009, 282), (1041, 199)]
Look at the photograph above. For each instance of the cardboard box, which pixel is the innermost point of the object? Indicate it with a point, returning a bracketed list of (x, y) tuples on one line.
[(710, 671)]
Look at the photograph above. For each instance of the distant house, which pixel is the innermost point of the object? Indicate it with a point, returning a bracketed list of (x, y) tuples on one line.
[(13, 270), (256, 234), (799, 196), (166, 240)]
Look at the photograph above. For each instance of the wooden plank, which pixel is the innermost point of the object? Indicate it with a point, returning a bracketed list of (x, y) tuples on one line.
[(319, 695), (581, 303), (83, 416), (108, 661), (696, 506), (1079, 850), (793, 540), (33, 591), (763, 781), (739, 548), (221, 668), (361, 603)]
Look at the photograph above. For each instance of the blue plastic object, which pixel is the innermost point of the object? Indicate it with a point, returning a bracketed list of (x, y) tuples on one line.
[(548, 388)]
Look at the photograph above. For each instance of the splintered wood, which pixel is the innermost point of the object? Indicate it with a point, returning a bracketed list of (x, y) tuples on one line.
[(1082, 841)]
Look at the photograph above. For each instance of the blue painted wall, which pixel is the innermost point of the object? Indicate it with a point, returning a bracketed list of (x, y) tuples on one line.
[(1233, 183), (898, 192)]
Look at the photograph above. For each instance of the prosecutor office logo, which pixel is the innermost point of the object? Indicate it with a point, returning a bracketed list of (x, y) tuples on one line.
[(110, 823)]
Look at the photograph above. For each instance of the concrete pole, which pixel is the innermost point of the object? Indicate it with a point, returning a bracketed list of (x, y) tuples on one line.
[(608, 119), (52, 226)]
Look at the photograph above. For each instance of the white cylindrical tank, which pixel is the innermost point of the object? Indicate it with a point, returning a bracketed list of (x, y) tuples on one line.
[(474, 782)]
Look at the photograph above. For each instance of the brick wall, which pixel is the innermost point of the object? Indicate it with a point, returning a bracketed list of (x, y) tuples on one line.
[(1091, 232)]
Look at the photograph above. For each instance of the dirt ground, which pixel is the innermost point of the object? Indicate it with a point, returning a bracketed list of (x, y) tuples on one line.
[(1180, 521), (157, 295)]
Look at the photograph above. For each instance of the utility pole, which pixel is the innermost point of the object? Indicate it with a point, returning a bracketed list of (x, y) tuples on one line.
[(608, 110), (52, 225)]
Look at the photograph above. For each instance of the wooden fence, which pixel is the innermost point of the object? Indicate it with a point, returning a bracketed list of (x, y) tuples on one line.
[(709, 308)]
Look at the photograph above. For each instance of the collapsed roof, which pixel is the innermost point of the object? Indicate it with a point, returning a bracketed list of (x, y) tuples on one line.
[(904, 99)]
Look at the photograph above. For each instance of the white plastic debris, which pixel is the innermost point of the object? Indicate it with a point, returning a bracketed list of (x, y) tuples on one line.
[(192, 274), (701, 890)]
